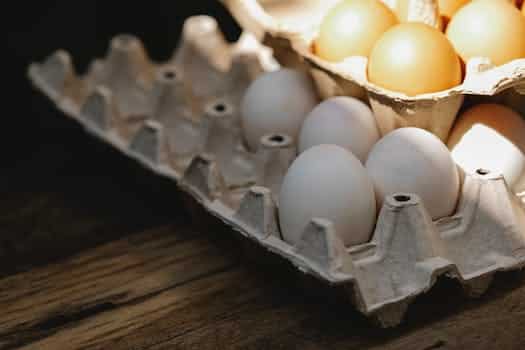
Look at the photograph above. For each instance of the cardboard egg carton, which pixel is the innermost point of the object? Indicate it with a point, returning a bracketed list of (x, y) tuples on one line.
[(291, 26), (181, 120)]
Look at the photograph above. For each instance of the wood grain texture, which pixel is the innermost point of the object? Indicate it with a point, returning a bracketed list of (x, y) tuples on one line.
[(155, 291), (98, 254)]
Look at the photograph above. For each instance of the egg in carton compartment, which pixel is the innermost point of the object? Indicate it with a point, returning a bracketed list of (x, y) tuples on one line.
[(291, 26), (181, 120)]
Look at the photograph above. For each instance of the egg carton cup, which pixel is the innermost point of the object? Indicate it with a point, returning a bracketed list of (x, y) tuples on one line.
[(180, 119), (291, 26)]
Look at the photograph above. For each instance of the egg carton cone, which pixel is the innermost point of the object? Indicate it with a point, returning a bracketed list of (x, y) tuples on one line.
[(291, 26), (181, 120)]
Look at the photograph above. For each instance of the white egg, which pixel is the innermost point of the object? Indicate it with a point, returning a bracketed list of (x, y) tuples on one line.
[(413, 160), (491, 137), (328, 182), (342, 121), (276, 102)]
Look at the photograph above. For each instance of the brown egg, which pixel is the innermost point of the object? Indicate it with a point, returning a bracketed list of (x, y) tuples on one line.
[(488, 28), (447, 8), (351, 28), (414, 58), (491, 137)]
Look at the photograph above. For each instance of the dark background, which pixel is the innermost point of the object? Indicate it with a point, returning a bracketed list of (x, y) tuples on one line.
[(50, 168), (83, 28)]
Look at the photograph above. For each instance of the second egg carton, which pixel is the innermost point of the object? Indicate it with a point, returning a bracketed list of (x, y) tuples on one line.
[(180, 119), (290, 27)]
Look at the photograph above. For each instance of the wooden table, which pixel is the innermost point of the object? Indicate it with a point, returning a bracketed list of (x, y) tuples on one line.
[(96, 253)]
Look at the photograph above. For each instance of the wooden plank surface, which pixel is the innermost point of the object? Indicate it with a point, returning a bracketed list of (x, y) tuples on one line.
[(98, 254)]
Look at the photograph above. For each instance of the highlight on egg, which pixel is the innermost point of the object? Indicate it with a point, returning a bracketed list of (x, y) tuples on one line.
[(414, 58), (342, 121), (491, 137), (412, 160), (351, 28), (488, 28), (328, 182), (276, 102)]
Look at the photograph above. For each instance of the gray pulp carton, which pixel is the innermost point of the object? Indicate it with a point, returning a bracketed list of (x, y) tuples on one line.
[(181, 120)]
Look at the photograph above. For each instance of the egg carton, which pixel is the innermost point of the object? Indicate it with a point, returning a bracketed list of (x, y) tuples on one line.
[(291, 26), (181, 120)]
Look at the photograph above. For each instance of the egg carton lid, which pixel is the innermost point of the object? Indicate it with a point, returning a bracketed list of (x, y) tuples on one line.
[(180, 120)]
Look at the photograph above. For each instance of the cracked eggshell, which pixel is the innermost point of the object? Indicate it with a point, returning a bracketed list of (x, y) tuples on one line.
[(342, 121), (413, 160), (276, 102), (327, 181), (492, 137)]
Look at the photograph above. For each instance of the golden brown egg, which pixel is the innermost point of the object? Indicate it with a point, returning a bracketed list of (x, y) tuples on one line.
[(447, 8), (488, 28), (414, 58), (351, 28)]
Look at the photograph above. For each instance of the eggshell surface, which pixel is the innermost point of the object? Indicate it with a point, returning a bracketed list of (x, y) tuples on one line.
[(491, 137), (488, 28), (351, 28), (413, 160), (414, 58), (276, 102), (328, 182), (342, 121)]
